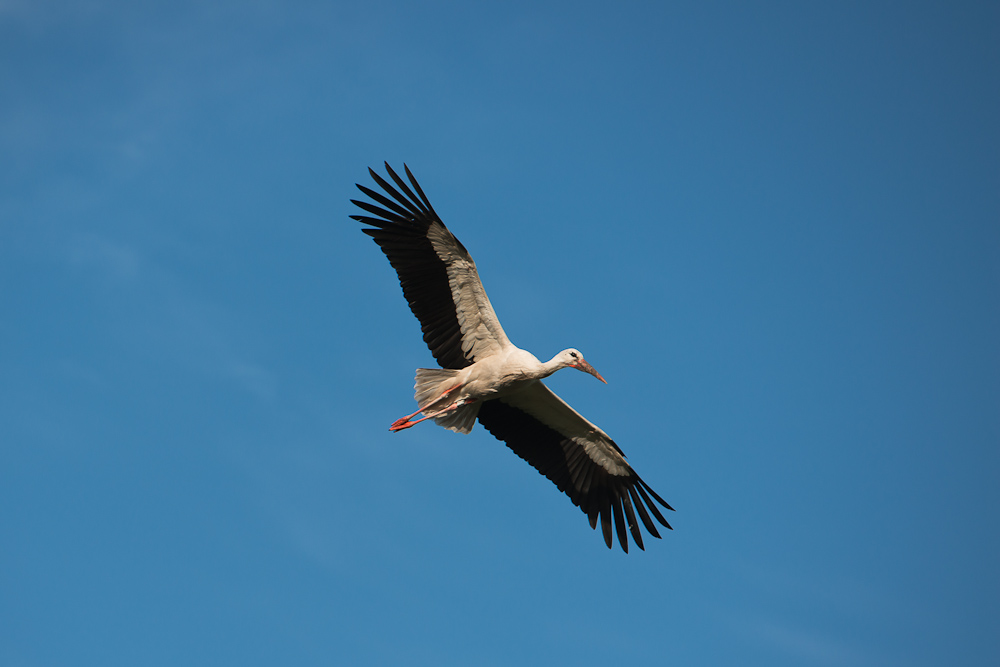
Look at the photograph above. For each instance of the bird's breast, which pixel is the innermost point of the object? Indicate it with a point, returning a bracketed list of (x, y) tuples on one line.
[(491, 380)]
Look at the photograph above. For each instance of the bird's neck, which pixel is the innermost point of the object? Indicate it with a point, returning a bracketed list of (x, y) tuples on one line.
[(551, 366)]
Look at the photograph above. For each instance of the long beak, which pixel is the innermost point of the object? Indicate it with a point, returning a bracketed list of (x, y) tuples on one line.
[(587, 368)]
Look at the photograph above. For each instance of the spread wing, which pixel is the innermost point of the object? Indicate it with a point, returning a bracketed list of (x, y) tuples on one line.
[(579, 458), (437, 274)]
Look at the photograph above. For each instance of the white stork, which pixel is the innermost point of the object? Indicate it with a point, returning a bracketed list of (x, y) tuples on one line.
[(484, 375)]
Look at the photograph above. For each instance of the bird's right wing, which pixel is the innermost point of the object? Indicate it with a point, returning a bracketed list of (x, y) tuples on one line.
[(577, 456), (437, 274)]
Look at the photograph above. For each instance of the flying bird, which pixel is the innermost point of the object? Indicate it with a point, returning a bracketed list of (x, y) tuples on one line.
[(483, 375)]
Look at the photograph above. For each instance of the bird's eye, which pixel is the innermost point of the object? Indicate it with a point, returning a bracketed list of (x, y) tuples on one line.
[(573, 354)]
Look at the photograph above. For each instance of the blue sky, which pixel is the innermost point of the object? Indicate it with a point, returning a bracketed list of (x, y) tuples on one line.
[(774, 229)]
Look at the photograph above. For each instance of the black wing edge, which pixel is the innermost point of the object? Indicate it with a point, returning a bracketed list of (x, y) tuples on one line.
[(399, 226), (612, 499)]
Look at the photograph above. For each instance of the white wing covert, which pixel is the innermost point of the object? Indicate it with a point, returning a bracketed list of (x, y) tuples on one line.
[(437, 274), (578, 457)]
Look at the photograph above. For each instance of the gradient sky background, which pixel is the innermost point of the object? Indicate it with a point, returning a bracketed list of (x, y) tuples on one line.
[(775, 230)]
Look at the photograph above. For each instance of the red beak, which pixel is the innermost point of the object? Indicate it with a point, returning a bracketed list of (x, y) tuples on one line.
[(587, 368)]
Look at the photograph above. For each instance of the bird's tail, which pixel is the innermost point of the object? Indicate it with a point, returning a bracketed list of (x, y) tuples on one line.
[(429, 386)]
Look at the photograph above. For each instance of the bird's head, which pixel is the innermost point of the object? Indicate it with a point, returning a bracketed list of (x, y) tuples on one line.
[(572, 358)]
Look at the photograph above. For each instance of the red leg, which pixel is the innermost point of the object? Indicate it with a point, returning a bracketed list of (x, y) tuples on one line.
[(398, 424), (404, 422)]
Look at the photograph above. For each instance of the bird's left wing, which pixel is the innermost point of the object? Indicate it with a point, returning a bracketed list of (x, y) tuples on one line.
[(577, 456), (437, 274)]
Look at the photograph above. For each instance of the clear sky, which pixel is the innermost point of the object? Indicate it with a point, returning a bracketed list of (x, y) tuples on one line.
[(774, 229)]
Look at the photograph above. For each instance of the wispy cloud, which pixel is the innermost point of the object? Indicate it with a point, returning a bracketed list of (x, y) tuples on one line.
[(813, 648), (838, 594), (291, 484), (253, 378), (113, 259), (12, 8), (153, 307), (783, 599)]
